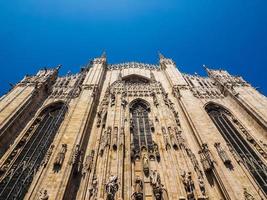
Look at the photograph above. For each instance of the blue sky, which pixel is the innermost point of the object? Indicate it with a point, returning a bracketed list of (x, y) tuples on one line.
[(221, 34)]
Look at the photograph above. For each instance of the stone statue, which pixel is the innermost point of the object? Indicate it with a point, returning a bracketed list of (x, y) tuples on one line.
[(43, 195), (138, 189), (145, 165), (93, 189), (201, 185), (60, 156), (112, 187), (158, 190), (188, 184)]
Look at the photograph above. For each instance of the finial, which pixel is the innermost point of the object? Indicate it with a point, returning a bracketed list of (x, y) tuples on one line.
[(11, 85), (160, 55), (206, 68), (58, 67), (104, 54)]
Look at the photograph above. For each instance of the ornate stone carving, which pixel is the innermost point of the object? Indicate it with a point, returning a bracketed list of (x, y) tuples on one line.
[(123, 99), (76, 159), (138, 189), (158, 189), (202, 185), (112, 99), (156, 150), (188, 184), (43, 195), (93, 189), (166, 138), (60, 157), (205, 158), (132, 65), (222, 153), (87, 167), (146, 165), (112, 187), (172, 138)]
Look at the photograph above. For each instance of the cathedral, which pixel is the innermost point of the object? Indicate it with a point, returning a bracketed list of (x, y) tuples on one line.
[(133, 131)]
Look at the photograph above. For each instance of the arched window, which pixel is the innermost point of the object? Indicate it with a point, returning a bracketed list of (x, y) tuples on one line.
[(223, 121), (141, 131), (32, 150)]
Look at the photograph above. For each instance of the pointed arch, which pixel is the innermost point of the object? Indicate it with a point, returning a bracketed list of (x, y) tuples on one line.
[(224, 121), (32, 151), (140, 127)]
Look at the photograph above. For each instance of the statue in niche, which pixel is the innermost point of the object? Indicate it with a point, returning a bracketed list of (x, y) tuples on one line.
[(112, 187), (88, 163), (60, 157), (145, 165), (93, 189), (138, 189), (43, 195), (188, 184)]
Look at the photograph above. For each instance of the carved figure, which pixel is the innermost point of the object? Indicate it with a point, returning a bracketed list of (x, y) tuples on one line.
[(188, 184), (93, 189), (222, 153), (145, 165), (43, 195), (112, 187), (138, 189), (158, 190), (60, 156)]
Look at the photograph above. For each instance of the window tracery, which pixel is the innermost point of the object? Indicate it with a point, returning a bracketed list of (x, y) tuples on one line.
[(224, 121)]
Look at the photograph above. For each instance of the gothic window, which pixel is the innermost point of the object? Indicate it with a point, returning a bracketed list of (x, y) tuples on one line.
[(223, 121), (17, 179), (141, 129)]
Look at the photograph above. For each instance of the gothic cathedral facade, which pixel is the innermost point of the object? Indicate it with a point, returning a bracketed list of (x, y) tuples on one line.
[(133, 131)]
